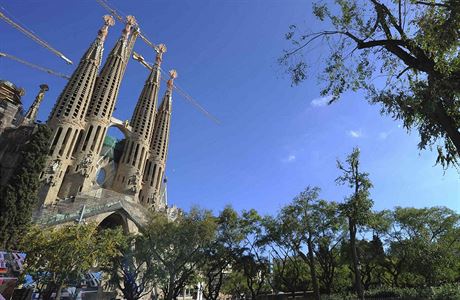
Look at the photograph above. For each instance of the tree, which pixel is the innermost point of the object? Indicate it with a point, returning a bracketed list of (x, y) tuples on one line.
[(301, 217), (356, 208), (220, 253), (235, 285), (18, 198), (424, 247), (290, 272), (62, 255), (329, 236), (175, 249), (128, 271), (309, 229), (414, 44), (251, 256)]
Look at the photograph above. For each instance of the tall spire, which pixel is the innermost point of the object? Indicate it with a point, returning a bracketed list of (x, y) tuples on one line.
[(150, 194), (75, 96), (67, 117), (98, 117), (108, 84), (31, 114), (132, 162)]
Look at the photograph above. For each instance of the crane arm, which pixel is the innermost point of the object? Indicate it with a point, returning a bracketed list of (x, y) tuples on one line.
[(185, 95), (113, 11), (34, 37), (34, 66)]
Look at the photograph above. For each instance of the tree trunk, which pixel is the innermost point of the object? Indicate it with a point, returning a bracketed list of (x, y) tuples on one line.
[(311, 259), (48, 292), (58, 292), (354, 254), (448, 124)]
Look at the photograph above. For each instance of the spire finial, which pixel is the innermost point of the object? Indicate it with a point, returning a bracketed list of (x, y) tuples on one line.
[(160, 49), (108, 21), (172, 76), (130, 22), (31, 114)]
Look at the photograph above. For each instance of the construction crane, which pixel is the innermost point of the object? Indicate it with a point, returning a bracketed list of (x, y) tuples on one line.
[(187, 97), (140, 59), (34, 37), (29, 64), (112, 11)]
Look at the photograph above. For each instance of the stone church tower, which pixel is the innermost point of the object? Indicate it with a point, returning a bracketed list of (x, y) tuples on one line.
[(155, 168), (136, 148), (81, 175), (67, 119), (79, 120)]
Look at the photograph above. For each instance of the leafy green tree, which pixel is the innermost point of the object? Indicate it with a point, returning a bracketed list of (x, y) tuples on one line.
[(309, 229), (220, 253), (301, 217), (127, 272), (235, 284), (175, 249), (18, 198), (290, 273), (62, 255), (356, 208), (413, 44), (251, 257), (371, 256), (329, 235), (424, 247)]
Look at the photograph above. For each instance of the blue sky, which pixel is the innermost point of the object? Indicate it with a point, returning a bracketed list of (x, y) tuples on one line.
[(274, 139)]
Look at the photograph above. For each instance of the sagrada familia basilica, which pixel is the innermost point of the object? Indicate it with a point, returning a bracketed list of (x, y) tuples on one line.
[(88, 175)]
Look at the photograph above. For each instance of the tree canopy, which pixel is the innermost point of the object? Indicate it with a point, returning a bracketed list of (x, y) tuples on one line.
[(413, 45), (18, 198)]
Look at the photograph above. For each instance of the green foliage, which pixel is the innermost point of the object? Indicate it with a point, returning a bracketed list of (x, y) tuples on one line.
[(251, 257), (127, 272), (290, 274), (444, 292), (357, 208), (18, 198), (412, 44), (220, 254), (174, 250), (424, 246), (342, 248), (60, 256)]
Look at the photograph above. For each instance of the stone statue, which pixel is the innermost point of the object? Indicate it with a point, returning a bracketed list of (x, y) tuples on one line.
[(54, 166), (132, 180), (85, 164)]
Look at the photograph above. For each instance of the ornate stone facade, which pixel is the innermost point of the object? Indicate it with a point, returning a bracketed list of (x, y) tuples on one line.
[(79, 122)]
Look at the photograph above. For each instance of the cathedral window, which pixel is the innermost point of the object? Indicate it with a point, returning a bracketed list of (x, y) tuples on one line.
[(64, 142), (77, 144), (56, 138), (87, 138), (135, 155), (72, 144), (96, 136)]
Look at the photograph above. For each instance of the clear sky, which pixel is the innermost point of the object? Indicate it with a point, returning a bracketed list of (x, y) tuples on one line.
[(274, 139)]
